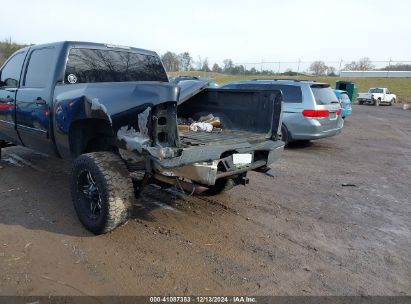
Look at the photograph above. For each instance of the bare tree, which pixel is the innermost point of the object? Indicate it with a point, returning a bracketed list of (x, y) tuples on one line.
[(318, 68), (352, 66), (170, 61), (228, 65), (205, 66), (216, 68), (331, 71), (185, 61), (365, 64)]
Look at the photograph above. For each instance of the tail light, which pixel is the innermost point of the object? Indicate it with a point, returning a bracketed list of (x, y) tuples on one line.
[(340, 109), (316, 113)]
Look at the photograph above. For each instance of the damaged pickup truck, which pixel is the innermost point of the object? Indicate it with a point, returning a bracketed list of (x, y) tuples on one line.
[(113, 112)]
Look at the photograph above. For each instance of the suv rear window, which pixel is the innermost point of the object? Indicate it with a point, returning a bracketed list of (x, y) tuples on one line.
[(323, 94), (95, 65)]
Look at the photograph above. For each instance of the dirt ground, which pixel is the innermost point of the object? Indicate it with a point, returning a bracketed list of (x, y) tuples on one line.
[(333, 220)]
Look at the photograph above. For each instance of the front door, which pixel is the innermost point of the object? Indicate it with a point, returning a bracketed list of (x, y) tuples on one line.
[(34, 99), (9, 82)]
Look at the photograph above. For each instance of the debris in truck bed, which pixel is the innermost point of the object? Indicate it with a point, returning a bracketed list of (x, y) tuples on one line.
[(183, 128), (201, 126), (215, 121), (208, 123), (185, 121)]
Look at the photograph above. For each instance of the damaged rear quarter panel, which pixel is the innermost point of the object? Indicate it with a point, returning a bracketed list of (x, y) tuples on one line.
[(118, 103)]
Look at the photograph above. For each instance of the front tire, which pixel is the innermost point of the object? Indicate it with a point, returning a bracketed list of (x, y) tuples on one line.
[(102, 191), (392, 101)]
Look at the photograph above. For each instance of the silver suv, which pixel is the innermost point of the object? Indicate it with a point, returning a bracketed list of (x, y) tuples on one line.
[(311, 110)]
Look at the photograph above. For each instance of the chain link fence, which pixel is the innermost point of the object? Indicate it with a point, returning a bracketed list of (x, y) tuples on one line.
[(382, 75), (329, 67)]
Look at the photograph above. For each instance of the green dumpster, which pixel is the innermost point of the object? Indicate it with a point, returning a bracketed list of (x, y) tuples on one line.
[(348, 86)]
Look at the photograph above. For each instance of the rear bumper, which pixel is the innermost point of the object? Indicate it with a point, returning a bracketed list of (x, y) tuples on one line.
[(314, 131), (206, 170), (366, 100)]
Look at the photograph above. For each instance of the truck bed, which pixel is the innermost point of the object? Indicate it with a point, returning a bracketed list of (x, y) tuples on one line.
[(226, 136), (246, 116)]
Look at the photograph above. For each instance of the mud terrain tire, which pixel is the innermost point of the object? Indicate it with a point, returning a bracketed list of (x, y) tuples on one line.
[(101, 190)]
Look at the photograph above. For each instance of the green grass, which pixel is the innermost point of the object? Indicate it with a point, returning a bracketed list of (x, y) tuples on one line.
[(399, 86)]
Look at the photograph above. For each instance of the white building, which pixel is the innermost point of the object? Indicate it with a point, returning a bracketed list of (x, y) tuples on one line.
[(379, 74)]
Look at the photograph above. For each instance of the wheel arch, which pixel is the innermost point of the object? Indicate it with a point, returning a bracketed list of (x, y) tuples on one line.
[(90, 135)]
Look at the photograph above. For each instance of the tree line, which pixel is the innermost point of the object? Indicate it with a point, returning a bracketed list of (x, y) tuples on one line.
[(184, 62)]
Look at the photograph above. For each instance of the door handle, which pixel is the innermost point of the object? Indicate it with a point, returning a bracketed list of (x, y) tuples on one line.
[(40, 101)]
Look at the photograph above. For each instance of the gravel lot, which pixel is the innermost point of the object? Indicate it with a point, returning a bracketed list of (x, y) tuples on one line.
[(333, 220)]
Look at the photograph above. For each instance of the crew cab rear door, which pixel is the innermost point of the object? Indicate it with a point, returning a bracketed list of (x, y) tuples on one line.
[(34, 99)]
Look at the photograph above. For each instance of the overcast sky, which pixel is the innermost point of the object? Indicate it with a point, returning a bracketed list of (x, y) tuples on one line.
[(245, 31)]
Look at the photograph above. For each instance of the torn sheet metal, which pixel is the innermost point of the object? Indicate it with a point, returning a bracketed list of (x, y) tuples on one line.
[(136, 140), (140, 140), (96, 105)]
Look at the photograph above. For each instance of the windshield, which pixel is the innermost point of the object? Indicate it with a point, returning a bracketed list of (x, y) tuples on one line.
[(323, 94), (375, 90), (95, 65)]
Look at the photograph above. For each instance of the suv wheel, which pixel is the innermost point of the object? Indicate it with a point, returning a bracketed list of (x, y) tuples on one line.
[(101, 190), (392, 101), (285, 136)]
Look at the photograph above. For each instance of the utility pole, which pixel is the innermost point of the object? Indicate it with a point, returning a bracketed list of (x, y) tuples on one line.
[(389, 67)]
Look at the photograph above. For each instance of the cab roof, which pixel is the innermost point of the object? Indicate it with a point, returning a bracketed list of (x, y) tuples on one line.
[(94, 45)]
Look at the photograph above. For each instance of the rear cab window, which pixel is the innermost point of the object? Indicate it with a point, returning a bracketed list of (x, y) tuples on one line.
[(86, 65), (376, 90), (323, 94)]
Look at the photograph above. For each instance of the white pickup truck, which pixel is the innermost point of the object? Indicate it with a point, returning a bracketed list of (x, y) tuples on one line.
[(377, 96)]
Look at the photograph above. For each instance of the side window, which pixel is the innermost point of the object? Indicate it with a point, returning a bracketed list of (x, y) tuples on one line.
[(10, 74), (291, 93), (387, 92), (40, 67)]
